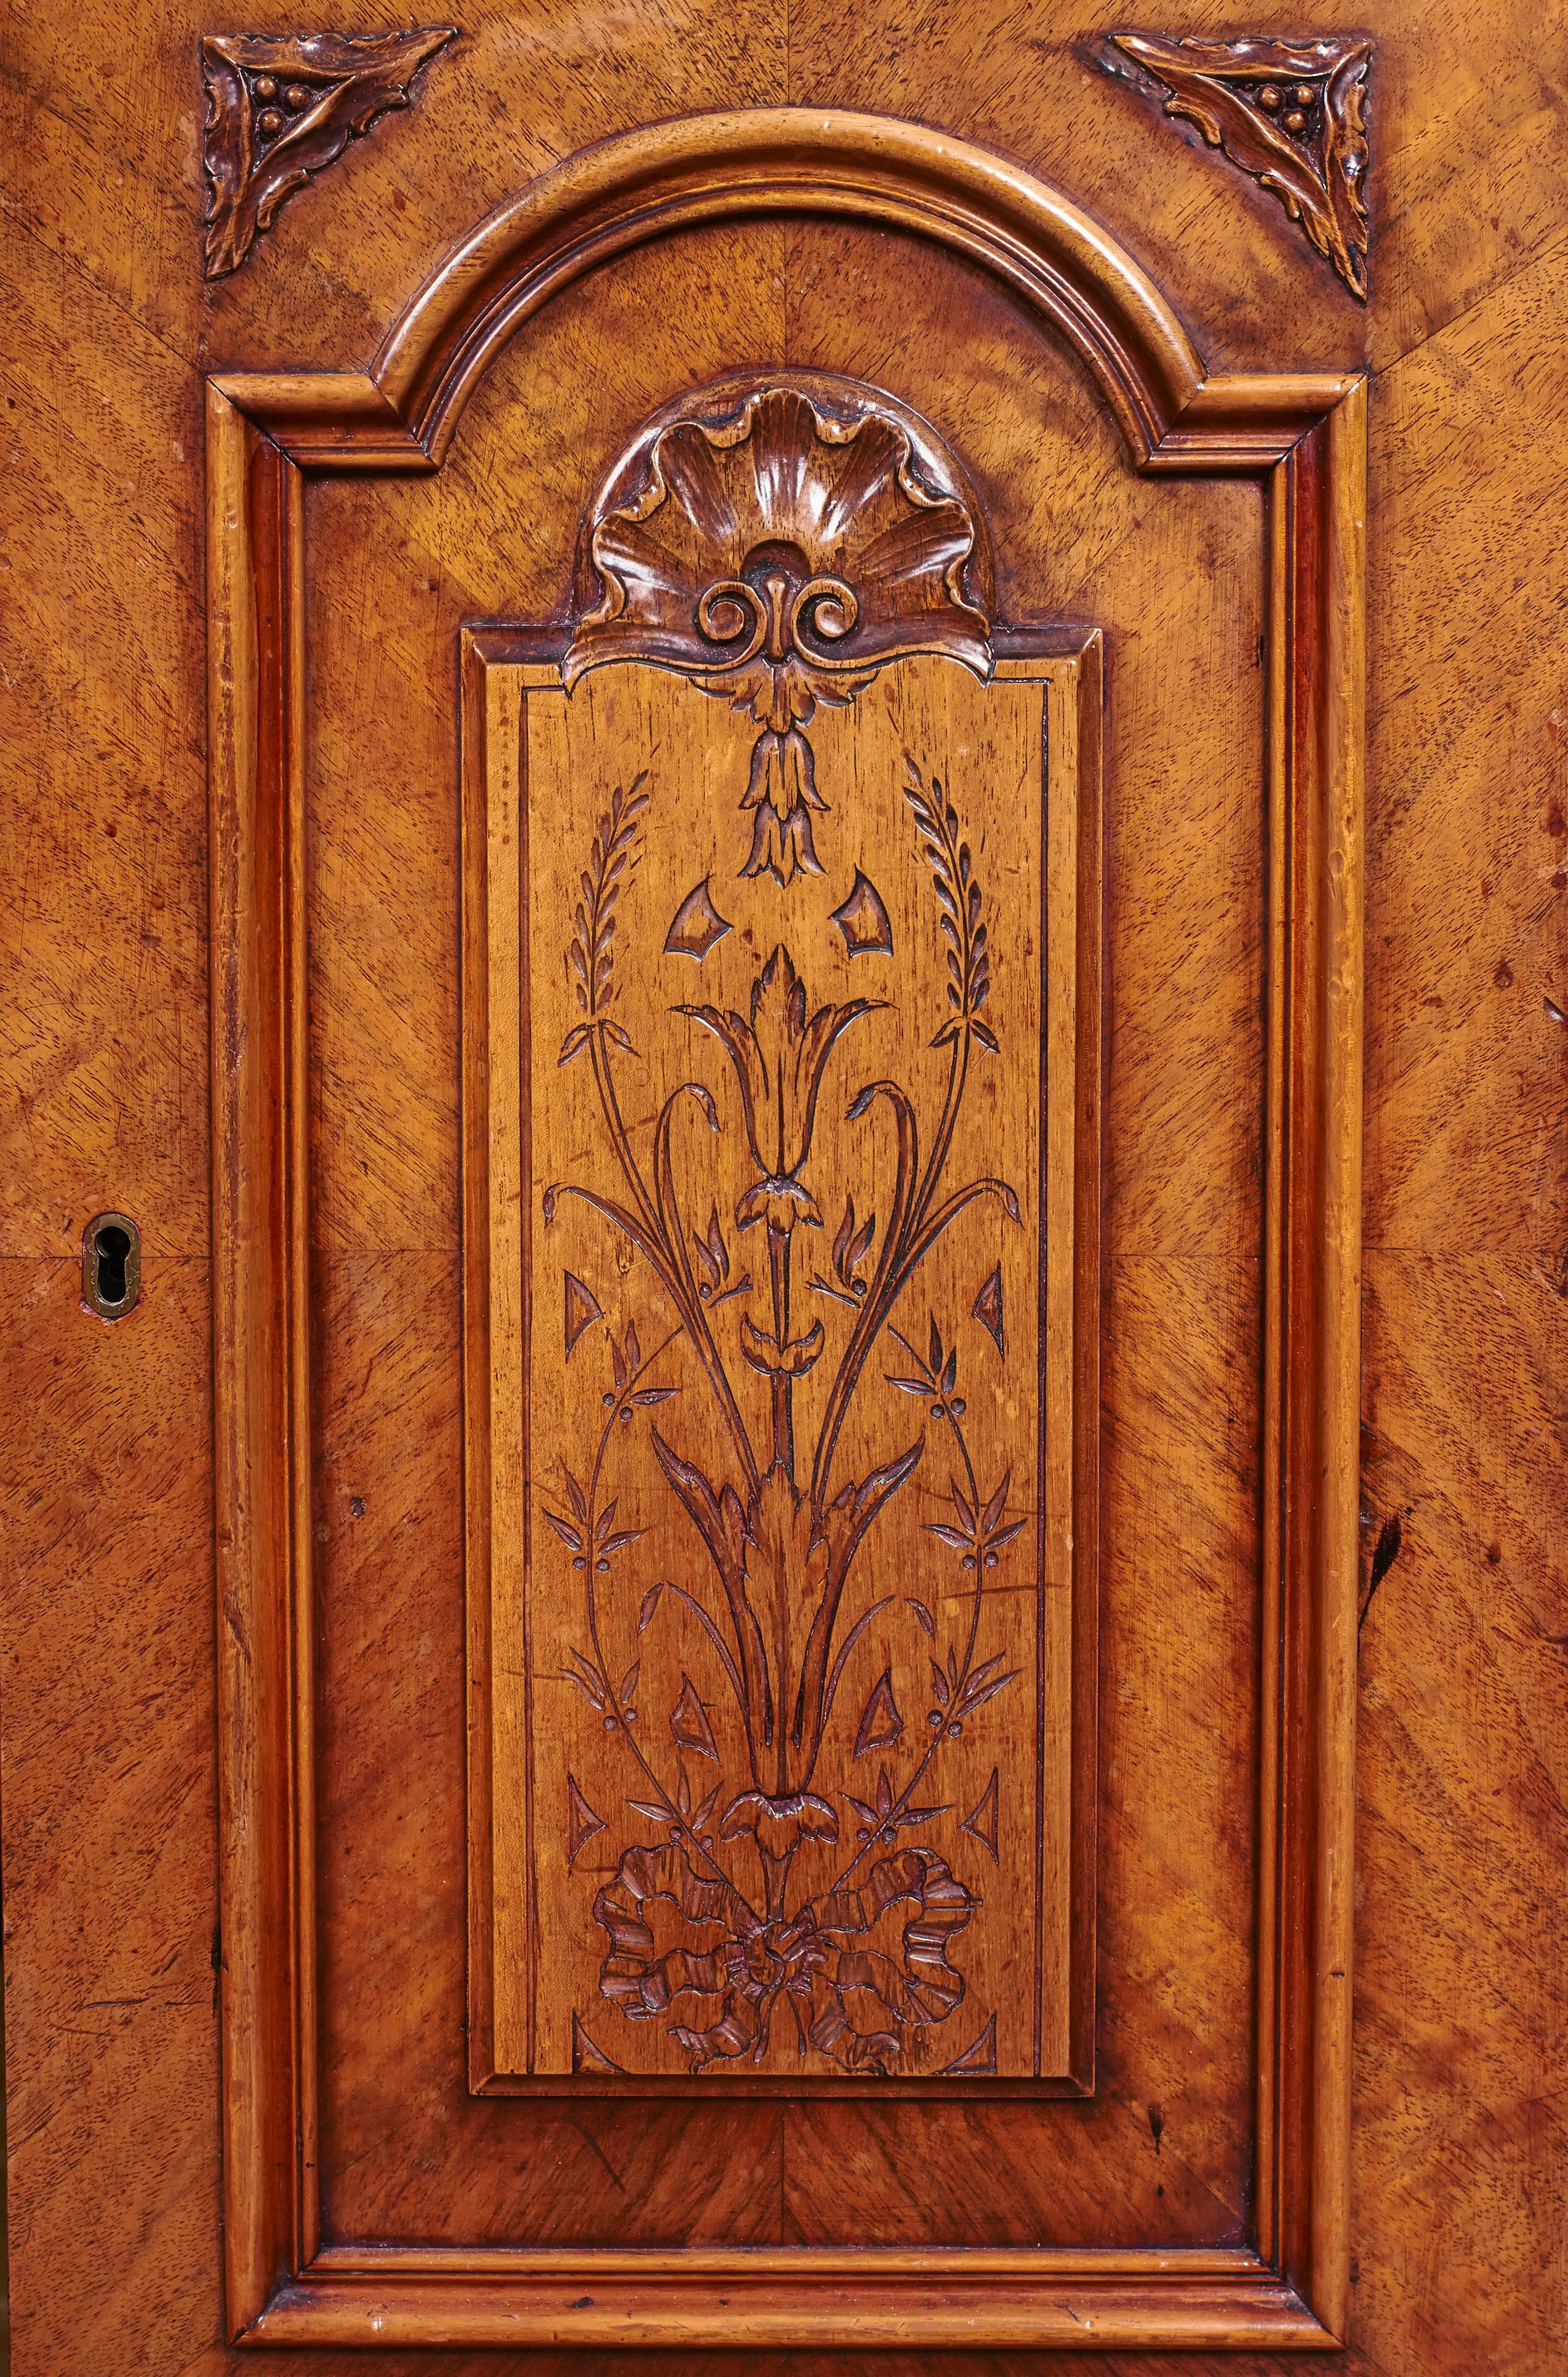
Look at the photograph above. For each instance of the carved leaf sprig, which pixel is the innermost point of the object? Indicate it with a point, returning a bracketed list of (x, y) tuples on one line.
[(713, 1264), (883, 1818), (979, 1535), (935, 1375), (712, 1255), (578, 1533), (955, 1693), (627, 1366), (851, 1247), (591, 1681), (591, 950), (683, 1815), (957, 890)]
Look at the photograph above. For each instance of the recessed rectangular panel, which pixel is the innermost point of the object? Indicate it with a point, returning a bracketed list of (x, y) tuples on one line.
[(776, 1265)]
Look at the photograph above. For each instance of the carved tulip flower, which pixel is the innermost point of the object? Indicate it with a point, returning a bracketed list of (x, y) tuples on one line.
[(778, 555), (781, 795), (779, 1056)]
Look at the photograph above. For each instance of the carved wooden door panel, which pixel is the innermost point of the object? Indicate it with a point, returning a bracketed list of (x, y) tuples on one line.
[(820, 1318), (779, 1714)]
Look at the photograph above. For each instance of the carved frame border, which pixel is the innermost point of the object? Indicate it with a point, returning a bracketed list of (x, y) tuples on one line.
[(1304, 437)]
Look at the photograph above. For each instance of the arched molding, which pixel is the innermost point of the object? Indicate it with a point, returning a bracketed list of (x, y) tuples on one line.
[(647, 184)]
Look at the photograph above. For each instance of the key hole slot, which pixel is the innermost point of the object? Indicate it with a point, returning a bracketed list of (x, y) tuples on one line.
[(113, 1245), (111, 1265)]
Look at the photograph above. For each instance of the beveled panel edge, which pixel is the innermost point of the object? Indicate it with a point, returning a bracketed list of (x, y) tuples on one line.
[(1307, 435), (1004, 2306), (263, 1483)]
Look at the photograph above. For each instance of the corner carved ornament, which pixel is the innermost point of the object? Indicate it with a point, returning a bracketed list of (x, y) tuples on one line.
[(1302, 437), (1290, 114), (282, 107)]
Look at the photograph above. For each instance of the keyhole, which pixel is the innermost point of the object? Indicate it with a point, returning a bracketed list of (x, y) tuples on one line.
[(113, 1245), (111, 1265)]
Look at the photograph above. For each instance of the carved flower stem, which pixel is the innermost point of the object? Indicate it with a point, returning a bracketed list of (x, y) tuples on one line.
[(885, 1286), (912, 1232), (672, 1257), (905, 1250), (783, 1383), (887, 1833), (672, 1236), (654, 1219), (620, 1707), (599, 1057), (960, 897)]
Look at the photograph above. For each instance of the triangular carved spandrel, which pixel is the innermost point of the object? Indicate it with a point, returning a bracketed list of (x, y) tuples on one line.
[(280, 107), (1290, 114)]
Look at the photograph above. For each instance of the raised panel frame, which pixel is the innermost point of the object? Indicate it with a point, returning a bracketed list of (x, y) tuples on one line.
[(1068, 665), (1304, 435)]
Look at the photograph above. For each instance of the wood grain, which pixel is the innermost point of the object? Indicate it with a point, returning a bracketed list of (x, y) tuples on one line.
[(1458, 2212), (1459, 2121), (524, 1370), (1311, 1246)]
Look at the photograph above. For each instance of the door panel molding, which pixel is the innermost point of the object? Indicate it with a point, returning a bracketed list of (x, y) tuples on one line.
[(1055, 677), (1303, 435)]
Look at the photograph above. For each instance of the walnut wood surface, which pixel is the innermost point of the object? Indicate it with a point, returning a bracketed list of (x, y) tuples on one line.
[(108, 1789), (1311, 529), (610, 1938)]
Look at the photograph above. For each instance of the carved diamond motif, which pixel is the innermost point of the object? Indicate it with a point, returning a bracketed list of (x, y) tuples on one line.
[(864, 920), (696, 925)]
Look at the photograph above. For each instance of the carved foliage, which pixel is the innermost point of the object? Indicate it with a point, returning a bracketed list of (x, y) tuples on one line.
[(282, 107), (1291, 113), (779, 556), (742, 1917)]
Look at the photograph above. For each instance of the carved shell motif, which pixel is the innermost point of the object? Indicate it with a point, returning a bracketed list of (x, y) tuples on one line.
[(780, 554)]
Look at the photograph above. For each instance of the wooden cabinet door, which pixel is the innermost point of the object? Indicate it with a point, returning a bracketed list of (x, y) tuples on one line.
[(785, 1163)]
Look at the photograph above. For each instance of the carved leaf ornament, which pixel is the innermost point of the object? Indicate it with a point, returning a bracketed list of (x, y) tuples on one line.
[(1290, 114), (778, 557), (282, 107)]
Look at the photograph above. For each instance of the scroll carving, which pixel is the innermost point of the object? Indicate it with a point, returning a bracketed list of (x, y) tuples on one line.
[(280, 107), (1290, 114), (779, 558)]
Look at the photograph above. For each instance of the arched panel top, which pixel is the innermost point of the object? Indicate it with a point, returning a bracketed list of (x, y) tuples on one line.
[(645, 185), (704, 169)]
